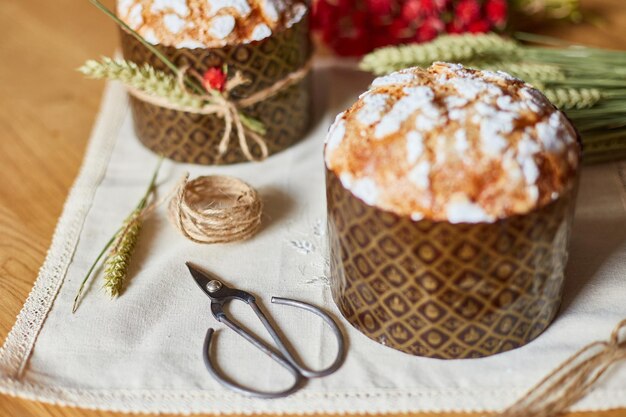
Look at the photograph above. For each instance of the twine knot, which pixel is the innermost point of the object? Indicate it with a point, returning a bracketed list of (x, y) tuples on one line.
[(222, 106)]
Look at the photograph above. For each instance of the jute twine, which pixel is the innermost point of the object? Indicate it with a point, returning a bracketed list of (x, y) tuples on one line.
[(571, 380), (215, 209), (221, 105)]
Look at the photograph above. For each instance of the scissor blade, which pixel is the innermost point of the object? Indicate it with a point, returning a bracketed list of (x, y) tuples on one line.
[(202, 278)]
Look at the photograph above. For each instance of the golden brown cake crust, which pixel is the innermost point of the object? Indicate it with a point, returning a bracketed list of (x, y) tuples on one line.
[(208, 23), (448, 143)]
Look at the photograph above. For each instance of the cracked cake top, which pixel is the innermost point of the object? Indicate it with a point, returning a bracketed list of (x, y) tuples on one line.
[(453, 144), (208, 23)]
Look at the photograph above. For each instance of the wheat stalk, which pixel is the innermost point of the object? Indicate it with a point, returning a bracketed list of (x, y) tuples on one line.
[(531, 72), (573, 98), (449, 48), (144, 78), (123, 241), (116, 266), (151, 81)]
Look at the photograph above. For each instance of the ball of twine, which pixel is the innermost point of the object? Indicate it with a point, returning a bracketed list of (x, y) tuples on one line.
[(215, 209)]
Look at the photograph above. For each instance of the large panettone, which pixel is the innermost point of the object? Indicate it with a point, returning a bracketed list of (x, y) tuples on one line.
[(450, 197)]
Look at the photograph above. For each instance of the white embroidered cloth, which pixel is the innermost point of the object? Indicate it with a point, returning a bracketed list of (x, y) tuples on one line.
[(142, 352)]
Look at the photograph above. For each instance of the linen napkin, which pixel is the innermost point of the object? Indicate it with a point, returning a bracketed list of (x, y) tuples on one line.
[(142, 351)]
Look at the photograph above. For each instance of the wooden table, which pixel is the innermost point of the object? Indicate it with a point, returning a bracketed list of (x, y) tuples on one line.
[(47, 110)]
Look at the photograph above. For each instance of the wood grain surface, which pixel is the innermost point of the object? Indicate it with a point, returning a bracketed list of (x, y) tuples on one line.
[(46, 113)]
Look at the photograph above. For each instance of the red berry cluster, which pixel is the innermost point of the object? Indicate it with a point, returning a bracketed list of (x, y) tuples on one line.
[(355, 27)]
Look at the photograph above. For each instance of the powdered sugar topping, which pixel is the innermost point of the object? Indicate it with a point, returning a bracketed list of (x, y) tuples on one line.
[(394, 78), (494, 125), (260, 31), (173, 22), (461, 145), (240, 6), (549, 133), (373, 107), (419, 175), (222, 26), (363, 188), (414, 146), (208, 23), (413, 99), (335, 135), (177, 6), (448, 143), (273, 8), (461, 210)]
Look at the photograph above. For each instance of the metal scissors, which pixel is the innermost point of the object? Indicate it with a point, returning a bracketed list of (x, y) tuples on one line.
[(220, 294)]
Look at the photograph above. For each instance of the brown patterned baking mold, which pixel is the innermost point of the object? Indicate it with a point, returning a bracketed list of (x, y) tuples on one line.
[(194, 138), (444, 290)]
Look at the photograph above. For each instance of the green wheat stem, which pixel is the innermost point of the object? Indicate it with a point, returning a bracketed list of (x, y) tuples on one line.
[(151, 187), (91, 269), (118, 235), (546, 40), (118, 260)]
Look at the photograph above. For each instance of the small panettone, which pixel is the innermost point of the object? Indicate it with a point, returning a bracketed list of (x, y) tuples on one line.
[(448, 143), (264, 45), (208, 23), (450, 196)]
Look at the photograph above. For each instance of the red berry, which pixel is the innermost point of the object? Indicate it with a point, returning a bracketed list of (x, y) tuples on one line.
[(411, 10), (467, 10), (355, 27), (429, 29), (496, 11), (381, 38), (350, 47), (455, 26), (379, 8), (322, 14), (400, 30), (352, 35), (431, 7), (214, 79), (479, 26)]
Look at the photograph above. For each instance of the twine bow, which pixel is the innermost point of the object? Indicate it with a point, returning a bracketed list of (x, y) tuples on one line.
[(222, 106), (228, 109), (571, 380)]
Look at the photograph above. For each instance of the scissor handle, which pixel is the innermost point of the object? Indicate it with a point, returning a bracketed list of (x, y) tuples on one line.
[(284, 358), (329, 321), (298, 377)]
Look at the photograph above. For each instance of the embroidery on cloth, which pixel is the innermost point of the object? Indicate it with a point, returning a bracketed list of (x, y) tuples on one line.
[(312, 245)]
